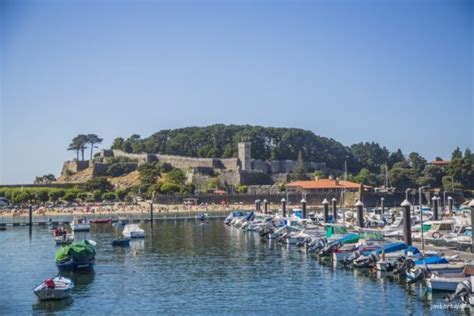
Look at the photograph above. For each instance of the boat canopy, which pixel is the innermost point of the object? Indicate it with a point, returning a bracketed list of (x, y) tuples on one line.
[(431, 260), (335, 229)]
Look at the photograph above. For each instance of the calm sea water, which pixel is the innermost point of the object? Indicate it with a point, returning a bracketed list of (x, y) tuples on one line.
[(185, 267)]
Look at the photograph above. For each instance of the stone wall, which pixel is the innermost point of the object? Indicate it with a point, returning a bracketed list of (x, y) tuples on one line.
[(74, 166), (254, 177), (99, 169)]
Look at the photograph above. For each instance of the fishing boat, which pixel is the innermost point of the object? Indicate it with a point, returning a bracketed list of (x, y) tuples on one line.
[(121, 242), (133, 231), (80, 225), (101, 221), (54, 289), (76, 256)]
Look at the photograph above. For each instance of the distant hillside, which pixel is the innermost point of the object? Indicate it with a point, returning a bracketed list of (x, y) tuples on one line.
[(268, 143)]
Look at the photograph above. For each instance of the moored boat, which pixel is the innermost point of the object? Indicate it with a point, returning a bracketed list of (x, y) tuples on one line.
[(101, 221), (80, 225), (121, 242), (133, 231), (54, 289), (78, 255)]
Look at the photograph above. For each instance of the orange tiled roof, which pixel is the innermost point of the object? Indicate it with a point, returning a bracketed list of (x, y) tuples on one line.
[(441, 162), (324, 184)]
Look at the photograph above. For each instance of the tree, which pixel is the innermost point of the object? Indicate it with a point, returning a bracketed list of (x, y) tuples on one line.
[(457, 154), (432, 176), (79, 143), (370, 155), (82, 196), (175, 176), (395, 157), (70, 196), (366, 177), (93, 139), (55, 195), (148, 174), (109, 196), (300, 169), (42, 195), (117, 143), (403, 178), (98, 183), (46, 179), (417, 162)]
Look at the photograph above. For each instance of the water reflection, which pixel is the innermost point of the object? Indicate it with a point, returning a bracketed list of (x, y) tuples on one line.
[(52, 307), (82, 279)]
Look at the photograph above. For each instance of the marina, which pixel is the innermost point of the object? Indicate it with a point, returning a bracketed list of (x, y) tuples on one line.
[(191, 266)]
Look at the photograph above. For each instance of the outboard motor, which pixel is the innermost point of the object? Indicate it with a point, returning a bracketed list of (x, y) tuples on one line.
[(330, 248), (318, 245), (352, 257), (463, 291), (395, 265), (265, 231), (366, 262), (415, 274)]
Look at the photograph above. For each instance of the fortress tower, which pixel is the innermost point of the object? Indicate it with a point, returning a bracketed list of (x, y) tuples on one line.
[(245, 156)]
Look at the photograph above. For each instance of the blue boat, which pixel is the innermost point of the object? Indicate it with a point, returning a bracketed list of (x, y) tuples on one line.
[(75, 265), (122, 242), (431, 260), (388, 248)]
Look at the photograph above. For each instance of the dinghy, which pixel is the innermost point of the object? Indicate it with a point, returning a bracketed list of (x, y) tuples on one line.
[(54, 289), (121, 242)]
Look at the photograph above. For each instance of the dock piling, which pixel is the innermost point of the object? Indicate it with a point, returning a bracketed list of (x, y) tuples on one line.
[(435, 207), (265, 206), (303, 208), (382, 207), (360, 213), (450, 205), (406, 222), (283, 207), (471, 206), (334, 210), (326, 210)]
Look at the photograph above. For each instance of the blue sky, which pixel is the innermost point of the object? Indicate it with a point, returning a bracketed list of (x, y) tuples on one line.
[(395, 72)]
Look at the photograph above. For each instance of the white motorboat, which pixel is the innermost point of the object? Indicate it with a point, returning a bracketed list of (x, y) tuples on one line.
[(80, 225), (54, 289), (133, 231), (448, 281)]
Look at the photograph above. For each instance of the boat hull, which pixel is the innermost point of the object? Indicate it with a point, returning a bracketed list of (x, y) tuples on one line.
[(75, 265), (444, 284), (121, 242), (81, 227), (62, 289)]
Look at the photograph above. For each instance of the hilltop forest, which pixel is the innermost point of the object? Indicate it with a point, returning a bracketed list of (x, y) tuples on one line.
[(366, 162)]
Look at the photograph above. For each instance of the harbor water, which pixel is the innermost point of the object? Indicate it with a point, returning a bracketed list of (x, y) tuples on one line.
[(185, 267)]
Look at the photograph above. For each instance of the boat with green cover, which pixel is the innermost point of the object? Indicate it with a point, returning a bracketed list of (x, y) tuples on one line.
[(78, 255)]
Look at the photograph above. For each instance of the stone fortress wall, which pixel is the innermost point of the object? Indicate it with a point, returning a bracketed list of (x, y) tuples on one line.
[(234, 171)]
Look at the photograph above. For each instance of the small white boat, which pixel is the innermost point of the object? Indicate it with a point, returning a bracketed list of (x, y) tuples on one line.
[(133, 231), (54, 289), (80, 225), (448, 281), (62, 237)]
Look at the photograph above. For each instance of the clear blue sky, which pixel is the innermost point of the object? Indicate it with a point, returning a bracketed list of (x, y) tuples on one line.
[(395, 72)]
